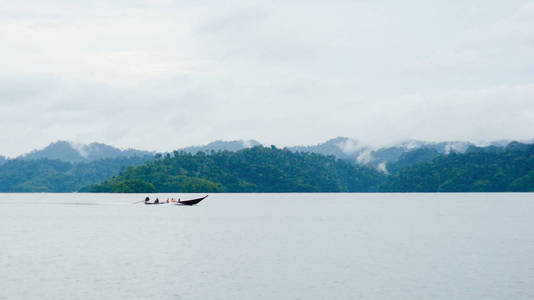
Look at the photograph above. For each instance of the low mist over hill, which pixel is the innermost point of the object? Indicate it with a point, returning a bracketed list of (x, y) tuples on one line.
[(379, 157)]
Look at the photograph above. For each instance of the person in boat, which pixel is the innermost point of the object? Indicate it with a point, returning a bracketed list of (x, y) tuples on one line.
[(157, 200), (147, 199)]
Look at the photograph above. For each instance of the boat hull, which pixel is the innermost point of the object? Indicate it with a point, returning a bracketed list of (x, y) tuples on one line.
[(191, 202)]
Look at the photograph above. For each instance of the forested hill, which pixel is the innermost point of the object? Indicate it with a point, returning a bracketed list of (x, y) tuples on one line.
[(258, 169), (490, 169), (45, 175)]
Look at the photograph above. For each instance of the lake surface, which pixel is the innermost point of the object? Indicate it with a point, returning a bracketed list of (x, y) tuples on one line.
[(268, 246)]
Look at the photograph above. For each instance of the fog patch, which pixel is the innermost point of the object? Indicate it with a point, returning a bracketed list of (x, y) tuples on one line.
[(365, 157), (349, 146), (382, 168), (81, 148)]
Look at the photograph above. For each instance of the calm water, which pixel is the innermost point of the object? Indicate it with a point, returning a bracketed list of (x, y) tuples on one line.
[(268, 246)]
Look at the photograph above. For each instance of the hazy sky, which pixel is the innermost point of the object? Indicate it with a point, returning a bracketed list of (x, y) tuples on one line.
[(161, 75)]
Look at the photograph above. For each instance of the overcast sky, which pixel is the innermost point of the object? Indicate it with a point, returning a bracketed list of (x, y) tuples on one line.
[(160, 75)]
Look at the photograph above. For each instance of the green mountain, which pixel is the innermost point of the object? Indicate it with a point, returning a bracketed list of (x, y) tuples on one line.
[(410, 158), (490, 169), (340, 147), (45, 175), (257, 169), (358, 153), (260, 169), (71, 152)]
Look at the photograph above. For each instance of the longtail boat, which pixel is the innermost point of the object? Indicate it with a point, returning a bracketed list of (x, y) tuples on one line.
[(191, 202)]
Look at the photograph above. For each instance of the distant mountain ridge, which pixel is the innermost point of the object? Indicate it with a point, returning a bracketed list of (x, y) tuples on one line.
[(256, 169), (221, 145), (341, 147), (71, 152), (262, 169), (379, 157), (45, 175), (478, 169), (405, 167)]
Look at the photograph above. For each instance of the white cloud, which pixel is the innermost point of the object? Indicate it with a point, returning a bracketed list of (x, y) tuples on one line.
[(518, 26), (502, 112), (446, 59), (161, 75)]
